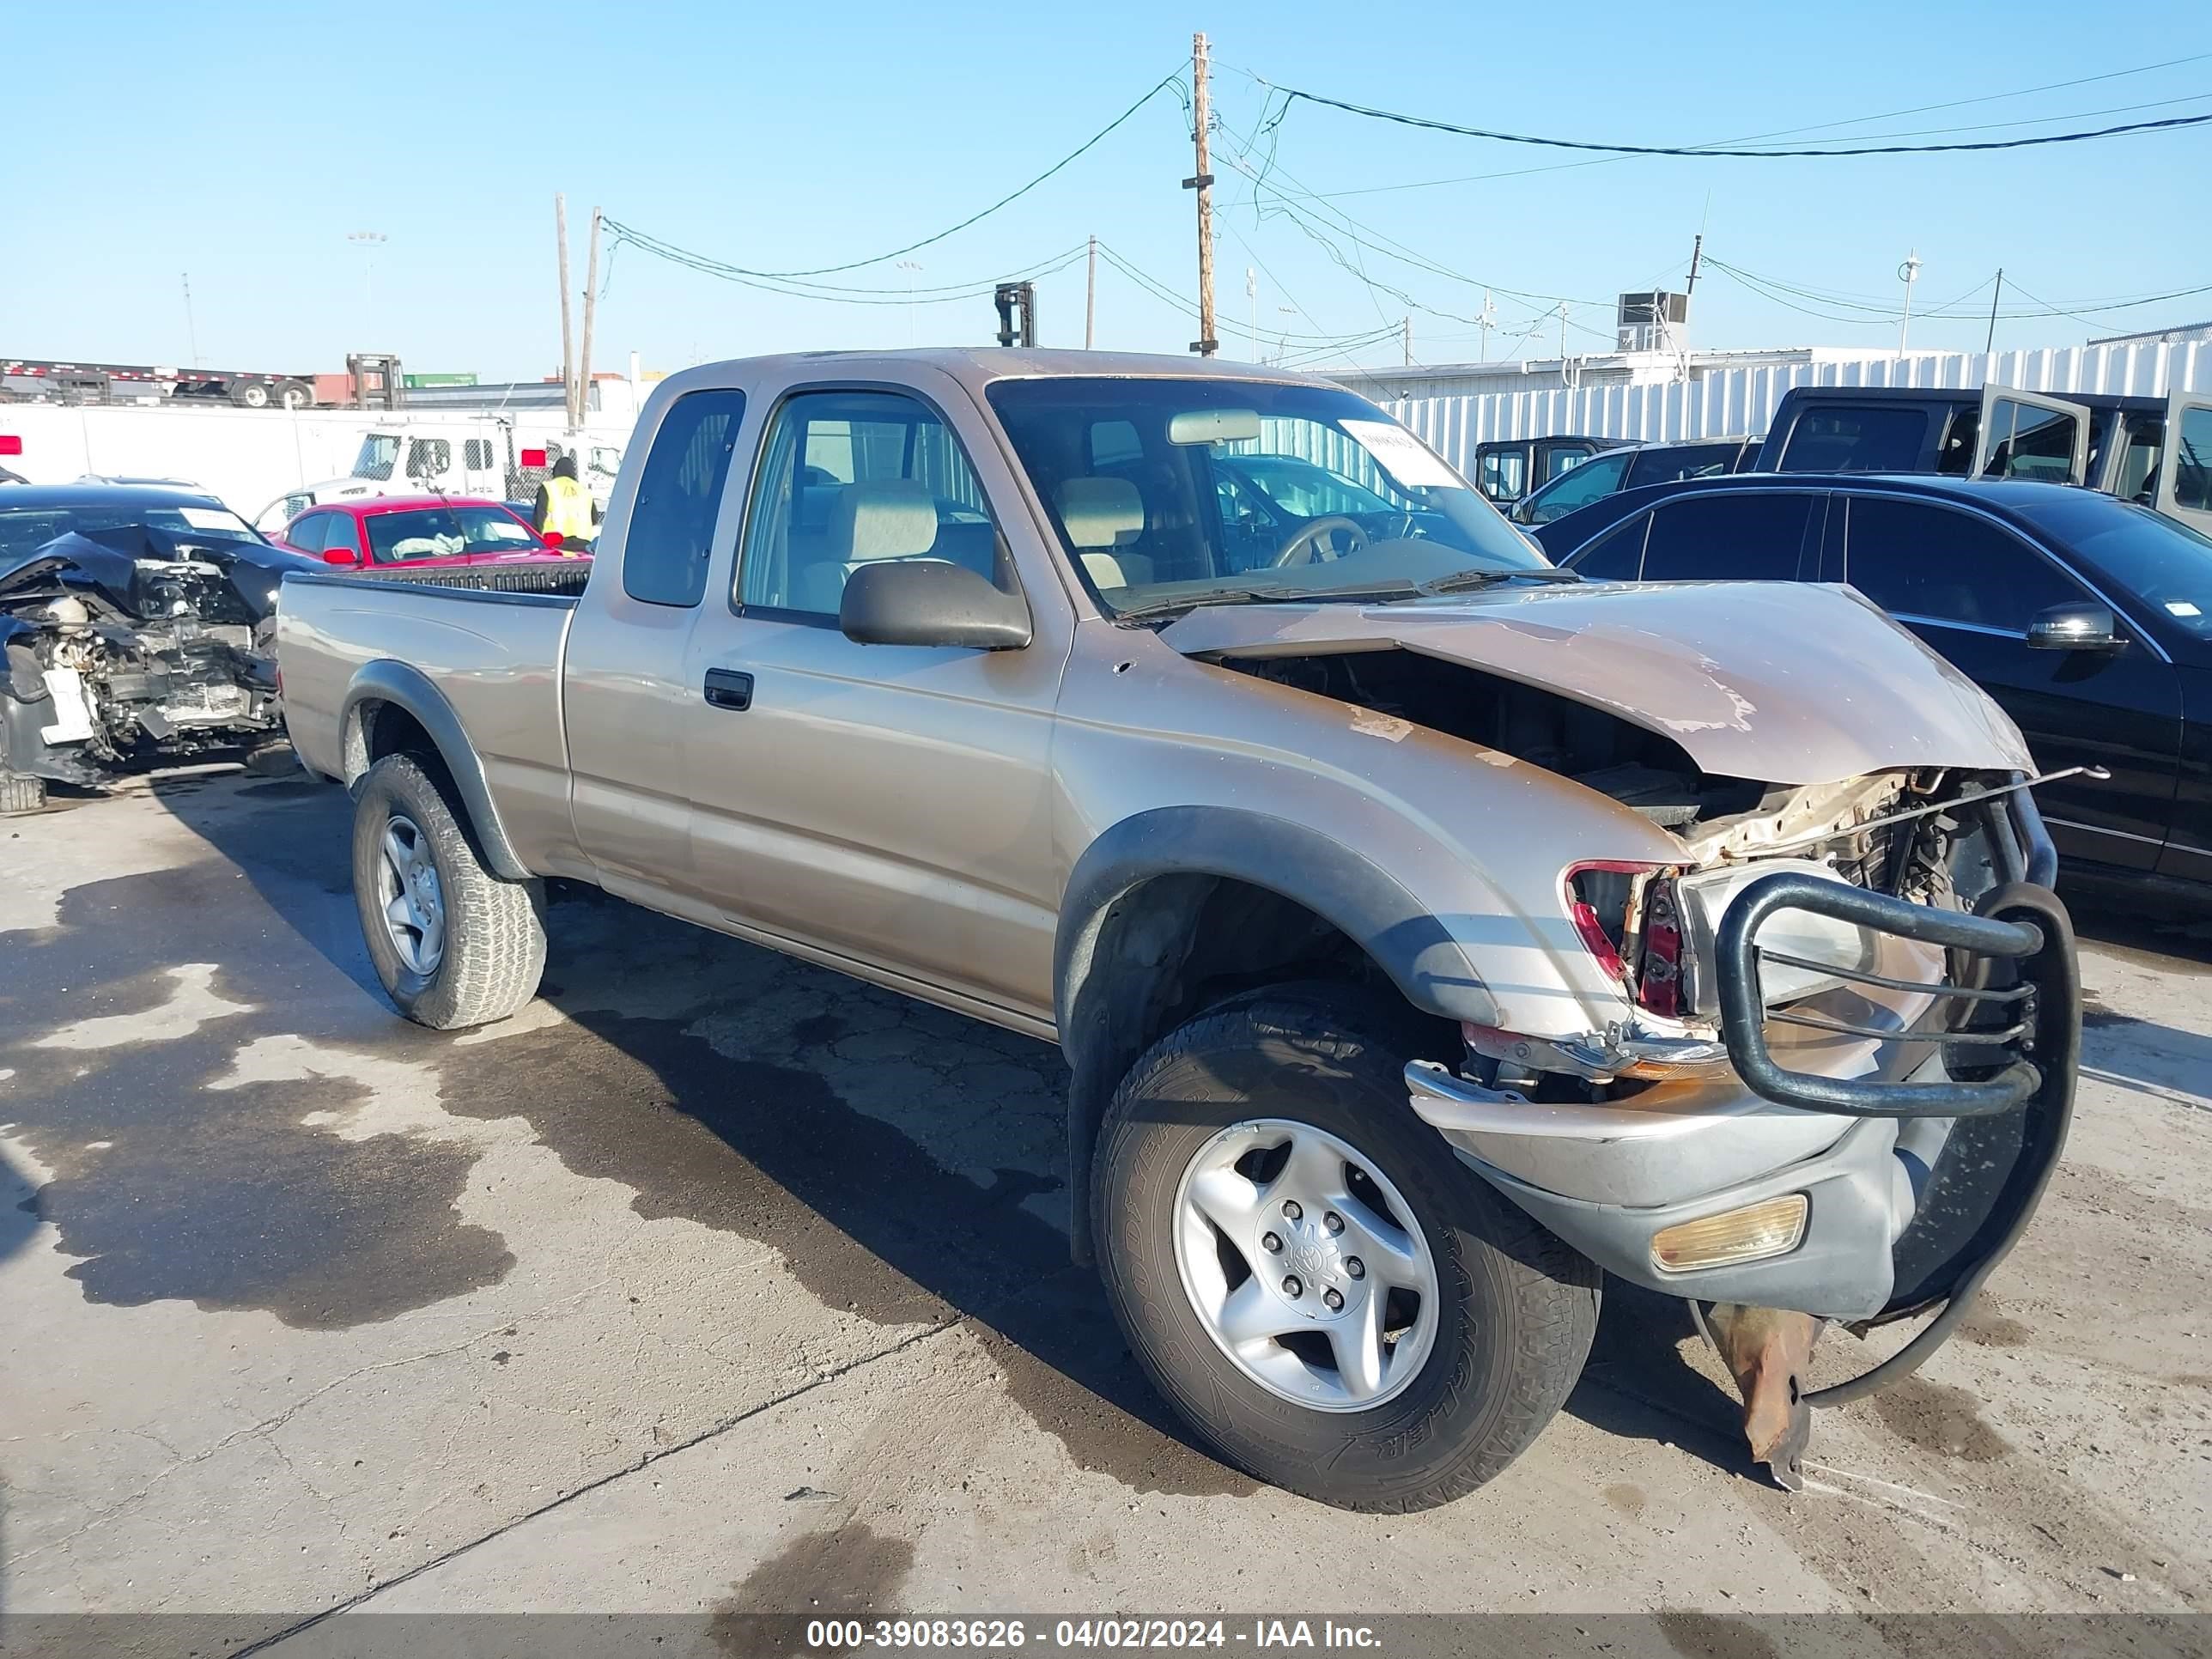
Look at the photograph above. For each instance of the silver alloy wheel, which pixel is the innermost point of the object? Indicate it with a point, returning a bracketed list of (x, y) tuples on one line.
[(1283, 1231), (414, 904)]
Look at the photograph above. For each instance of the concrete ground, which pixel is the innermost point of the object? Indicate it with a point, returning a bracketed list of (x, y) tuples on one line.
[(715, 1283)]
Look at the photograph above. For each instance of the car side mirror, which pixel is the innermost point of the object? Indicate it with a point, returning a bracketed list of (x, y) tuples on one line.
[(554, 540), (341, 556), (930, 602), (2081, 625)]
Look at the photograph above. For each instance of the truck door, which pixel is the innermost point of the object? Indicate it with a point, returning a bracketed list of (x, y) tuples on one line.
[(2184, 472), (2027, 434), (885, 805), (624, 687)]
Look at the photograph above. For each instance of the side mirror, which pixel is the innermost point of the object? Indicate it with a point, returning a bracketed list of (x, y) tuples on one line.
[(930, 602), (341, 556), (2082, 625), (554, 540)]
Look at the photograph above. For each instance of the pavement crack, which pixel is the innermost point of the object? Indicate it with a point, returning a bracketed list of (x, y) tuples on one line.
[(591, 1485)]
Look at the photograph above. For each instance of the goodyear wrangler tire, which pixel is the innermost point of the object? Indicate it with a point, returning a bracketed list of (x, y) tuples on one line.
[(453, 945), (1306, 1272)]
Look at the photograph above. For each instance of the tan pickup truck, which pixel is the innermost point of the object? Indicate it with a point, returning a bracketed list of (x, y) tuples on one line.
[(1426, 930)]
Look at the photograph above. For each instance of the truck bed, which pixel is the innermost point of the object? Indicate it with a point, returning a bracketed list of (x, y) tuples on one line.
[(493, 656)]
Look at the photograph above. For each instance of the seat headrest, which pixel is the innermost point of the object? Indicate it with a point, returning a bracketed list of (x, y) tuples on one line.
[(890, 518), (1099, 511)]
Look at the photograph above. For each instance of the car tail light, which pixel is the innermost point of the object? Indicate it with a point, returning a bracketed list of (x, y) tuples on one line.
[(1627, 918), (10, 444)]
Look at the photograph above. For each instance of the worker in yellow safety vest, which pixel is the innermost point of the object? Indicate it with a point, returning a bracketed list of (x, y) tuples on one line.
[(564, 508)]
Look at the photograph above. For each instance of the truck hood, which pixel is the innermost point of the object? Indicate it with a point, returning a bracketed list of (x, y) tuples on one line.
[(1786, 682)]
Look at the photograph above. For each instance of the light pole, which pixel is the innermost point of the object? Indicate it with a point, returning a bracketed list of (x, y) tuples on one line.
[(914, 265), (1252, 298), (368, 241), (1908, 273)]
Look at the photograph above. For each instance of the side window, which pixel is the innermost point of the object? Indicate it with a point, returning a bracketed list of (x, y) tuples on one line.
[(1914, 559), (476, 453), (1753, 537), (2146, 436), (1590, 482), (1956, 454), (2192, 459), (310, 534), (340, 530), (671, 525), (1502, 474), (1618, 555), (429, 457), (2028, 441), (1862, 440), (847, 478)]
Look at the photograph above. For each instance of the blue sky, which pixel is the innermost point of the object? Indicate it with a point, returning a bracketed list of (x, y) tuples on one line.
[(241, 144)]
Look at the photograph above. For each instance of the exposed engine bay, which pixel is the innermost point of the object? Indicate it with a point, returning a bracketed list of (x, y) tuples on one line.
[(129, 645), (1901, 832)]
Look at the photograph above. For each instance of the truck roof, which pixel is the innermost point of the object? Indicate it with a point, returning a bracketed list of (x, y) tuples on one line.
[(976, 366)]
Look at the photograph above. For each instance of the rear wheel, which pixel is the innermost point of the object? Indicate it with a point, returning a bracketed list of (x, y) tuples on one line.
[(249, 394), (295, 394), (453, 945), (1333, 1301)]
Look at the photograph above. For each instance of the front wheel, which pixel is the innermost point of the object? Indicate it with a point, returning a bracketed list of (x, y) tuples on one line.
[(453, 945), (1303, 1268)]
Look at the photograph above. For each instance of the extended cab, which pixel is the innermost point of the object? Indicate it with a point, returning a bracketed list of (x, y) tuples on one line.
[(1425, 930)]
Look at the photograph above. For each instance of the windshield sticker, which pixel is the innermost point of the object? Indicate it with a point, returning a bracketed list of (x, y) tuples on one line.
[(214, 518), (2182, 608), (1400, 454)]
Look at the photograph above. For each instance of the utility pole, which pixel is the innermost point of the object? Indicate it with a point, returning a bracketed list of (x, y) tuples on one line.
[(1091, 298), (1989, 345), (1252, 304), (590, 305), (191, 328), (1489, 320), (567, 341), (1563, 339), (1908, 273), (1203, 182), (1409, 341)]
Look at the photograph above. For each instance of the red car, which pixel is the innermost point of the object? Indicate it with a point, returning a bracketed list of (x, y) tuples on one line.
[(415, 530)]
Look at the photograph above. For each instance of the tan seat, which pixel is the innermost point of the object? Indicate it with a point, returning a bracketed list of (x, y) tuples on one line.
[(888, 518), (1102, 512)]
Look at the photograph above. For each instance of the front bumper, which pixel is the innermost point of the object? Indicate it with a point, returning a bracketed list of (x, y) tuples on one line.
[(1918, 1112)]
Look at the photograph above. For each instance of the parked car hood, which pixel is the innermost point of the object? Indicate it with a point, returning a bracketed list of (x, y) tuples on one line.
[(1786, 682), (106, 560)]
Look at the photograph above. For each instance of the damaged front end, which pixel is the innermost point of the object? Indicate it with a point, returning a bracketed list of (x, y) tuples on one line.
[(1846, 1079), (125, 646), (1801, 1048)]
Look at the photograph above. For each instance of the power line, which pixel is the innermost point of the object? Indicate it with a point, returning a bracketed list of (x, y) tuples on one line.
[(638, 237), (839, 293), (1774, 288), (1293, 94)]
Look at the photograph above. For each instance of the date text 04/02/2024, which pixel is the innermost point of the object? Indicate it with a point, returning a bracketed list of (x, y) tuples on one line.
[(1260, 1636)]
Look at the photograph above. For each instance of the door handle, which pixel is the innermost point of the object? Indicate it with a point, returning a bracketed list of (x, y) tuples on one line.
[(728, 688)]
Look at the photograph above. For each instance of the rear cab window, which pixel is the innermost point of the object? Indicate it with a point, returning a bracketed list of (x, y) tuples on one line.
[(679, 493)]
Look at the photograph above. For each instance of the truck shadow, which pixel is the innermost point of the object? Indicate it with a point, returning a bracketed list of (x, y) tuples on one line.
[(905, 1163)]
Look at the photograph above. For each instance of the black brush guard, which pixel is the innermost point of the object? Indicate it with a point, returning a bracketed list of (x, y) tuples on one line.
[(2007, 1017)]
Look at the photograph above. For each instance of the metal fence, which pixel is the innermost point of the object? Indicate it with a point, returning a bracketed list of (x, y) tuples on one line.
[(1729, 403)]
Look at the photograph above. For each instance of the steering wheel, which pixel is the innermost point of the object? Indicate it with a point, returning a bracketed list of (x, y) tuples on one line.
[(1307, 538)]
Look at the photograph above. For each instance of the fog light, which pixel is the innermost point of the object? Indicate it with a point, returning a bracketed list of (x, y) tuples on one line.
[(1774, 1226)]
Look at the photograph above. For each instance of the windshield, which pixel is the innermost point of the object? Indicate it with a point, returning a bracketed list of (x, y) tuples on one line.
[(1201, 491), (25, 529), (2160, 560), (446, 532), (378, 451)]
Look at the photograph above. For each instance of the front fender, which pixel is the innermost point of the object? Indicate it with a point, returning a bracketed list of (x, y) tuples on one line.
[(1431, 969), (408, 688)]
